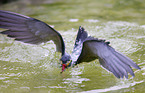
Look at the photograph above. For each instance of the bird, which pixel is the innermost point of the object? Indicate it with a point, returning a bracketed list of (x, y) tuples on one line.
[(86, 48)]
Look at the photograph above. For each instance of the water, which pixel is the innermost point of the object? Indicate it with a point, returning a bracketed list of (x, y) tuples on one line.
[(28, 68)]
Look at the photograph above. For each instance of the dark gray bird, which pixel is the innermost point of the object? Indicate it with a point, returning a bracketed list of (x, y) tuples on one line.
[(30, 30)]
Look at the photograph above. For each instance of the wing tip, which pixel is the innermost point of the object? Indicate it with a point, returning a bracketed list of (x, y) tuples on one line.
[(3, 32), (124, 76), (137, 67)]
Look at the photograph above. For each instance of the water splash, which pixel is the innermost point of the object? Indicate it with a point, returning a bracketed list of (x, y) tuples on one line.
[(116, 87)]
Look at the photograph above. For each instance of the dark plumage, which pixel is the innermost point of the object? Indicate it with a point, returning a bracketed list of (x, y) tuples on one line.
[(29, 30)]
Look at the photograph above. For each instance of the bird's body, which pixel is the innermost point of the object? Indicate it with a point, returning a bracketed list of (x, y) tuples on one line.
[(86, 48)]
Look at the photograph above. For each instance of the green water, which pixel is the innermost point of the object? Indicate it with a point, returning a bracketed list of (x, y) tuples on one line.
[(28, 68)]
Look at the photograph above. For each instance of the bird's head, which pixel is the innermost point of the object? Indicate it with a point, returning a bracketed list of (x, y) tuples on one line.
[(65, 61)]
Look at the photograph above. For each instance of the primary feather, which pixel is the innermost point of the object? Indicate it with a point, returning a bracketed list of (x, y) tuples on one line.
[(29, 30), (117, 63)]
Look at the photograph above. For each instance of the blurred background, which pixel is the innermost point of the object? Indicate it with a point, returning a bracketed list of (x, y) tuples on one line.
[(36, 68)]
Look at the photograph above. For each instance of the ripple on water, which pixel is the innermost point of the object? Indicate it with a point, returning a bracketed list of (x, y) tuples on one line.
[(73, 20), (75, 79), (91, 20), (2, 78), (116, 87)]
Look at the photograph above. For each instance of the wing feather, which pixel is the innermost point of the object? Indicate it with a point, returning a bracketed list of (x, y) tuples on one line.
[(81, 36), (29, 30), (117, 63)]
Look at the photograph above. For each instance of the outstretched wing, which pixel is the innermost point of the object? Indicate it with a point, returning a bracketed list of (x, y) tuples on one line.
[(29, 30), (110, 59)]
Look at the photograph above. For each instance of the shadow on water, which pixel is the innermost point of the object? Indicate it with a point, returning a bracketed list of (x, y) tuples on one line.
[(28, 68)]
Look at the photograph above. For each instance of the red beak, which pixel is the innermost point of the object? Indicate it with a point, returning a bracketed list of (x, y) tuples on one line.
[(63, 67)]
